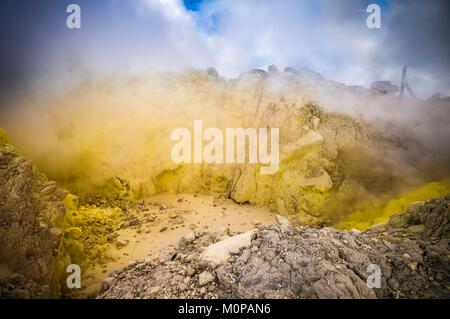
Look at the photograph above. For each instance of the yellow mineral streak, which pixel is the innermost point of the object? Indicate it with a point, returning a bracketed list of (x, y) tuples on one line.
[(363, 219), (87, 229), (112, 137)]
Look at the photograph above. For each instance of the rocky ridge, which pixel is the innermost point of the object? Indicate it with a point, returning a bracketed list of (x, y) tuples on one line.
[(31, 213), (281, 261)]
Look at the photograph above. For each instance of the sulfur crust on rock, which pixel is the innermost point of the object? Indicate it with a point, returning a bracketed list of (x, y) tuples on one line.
[(410, 252), (44, 229), (326, 157), (111, 146), (366, 218)]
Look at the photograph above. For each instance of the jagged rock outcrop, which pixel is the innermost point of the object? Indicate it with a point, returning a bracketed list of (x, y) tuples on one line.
[(317, 144), (316, 154), (411, 251), (31, 211)]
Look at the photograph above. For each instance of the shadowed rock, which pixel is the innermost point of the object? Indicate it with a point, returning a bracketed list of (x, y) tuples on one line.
[(31, 211), (302, 262)]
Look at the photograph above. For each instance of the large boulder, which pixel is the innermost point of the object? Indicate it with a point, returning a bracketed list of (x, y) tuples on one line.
[(279, 261)]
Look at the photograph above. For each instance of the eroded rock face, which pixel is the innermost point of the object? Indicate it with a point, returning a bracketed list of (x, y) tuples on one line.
[(312, 139), (316, 152), (302, 262), (31, 211)]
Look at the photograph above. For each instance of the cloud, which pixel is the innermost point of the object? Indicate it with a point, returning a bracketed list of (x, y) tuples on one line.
[(419, 36), (329, 37)]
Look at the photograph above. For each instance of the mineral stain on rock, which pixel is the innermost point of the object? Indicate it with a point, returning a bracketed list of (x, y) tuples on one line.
[(348, 193), (303, 262)]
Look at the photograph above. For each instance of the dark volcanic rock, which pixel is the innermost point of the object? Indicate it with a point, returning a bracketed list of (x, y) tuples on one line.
[(411, 251)]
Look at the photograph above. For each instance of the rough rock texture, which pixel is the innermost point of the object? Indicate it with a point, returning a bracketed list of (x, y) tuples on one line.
[(31, 211), (315, 140), (411, 250), (310, 152), (219, 252)]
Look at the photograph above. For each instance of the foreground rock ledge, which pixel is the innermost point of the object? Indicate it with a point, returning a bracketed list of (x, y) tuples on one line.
[(412, 251), (31, 213)]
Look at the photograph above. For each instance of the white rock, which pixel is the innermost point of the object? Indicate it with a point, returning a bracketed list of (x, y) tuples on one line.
[(190, 271), (106, 283), (205, 278), (283, 221), (189, 237), (121, 243), (153, 291), (218, 253)]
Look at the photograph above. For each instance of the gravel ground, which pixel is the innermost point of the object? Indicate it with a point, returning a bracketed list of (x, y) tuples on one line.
[(411, 251)]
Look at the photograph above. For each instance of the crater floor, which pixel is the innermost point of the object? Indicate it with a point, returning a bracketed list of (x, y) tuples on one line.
[(171, 218)]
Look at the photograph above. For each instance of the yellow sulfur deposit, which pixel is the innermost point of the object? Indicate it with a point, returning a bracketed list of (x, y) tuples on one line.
[(113, 138), (109, 144), (363, 219), (87, 229)]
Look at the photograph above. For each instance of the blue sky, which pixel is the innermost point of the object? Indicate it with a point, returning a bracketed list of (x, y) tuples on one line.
[(193, 5)]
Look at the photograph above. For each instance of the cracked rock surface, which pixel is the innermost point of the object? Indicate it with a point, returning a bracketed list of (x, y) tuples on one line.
[(31, 210), (411, 251)]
